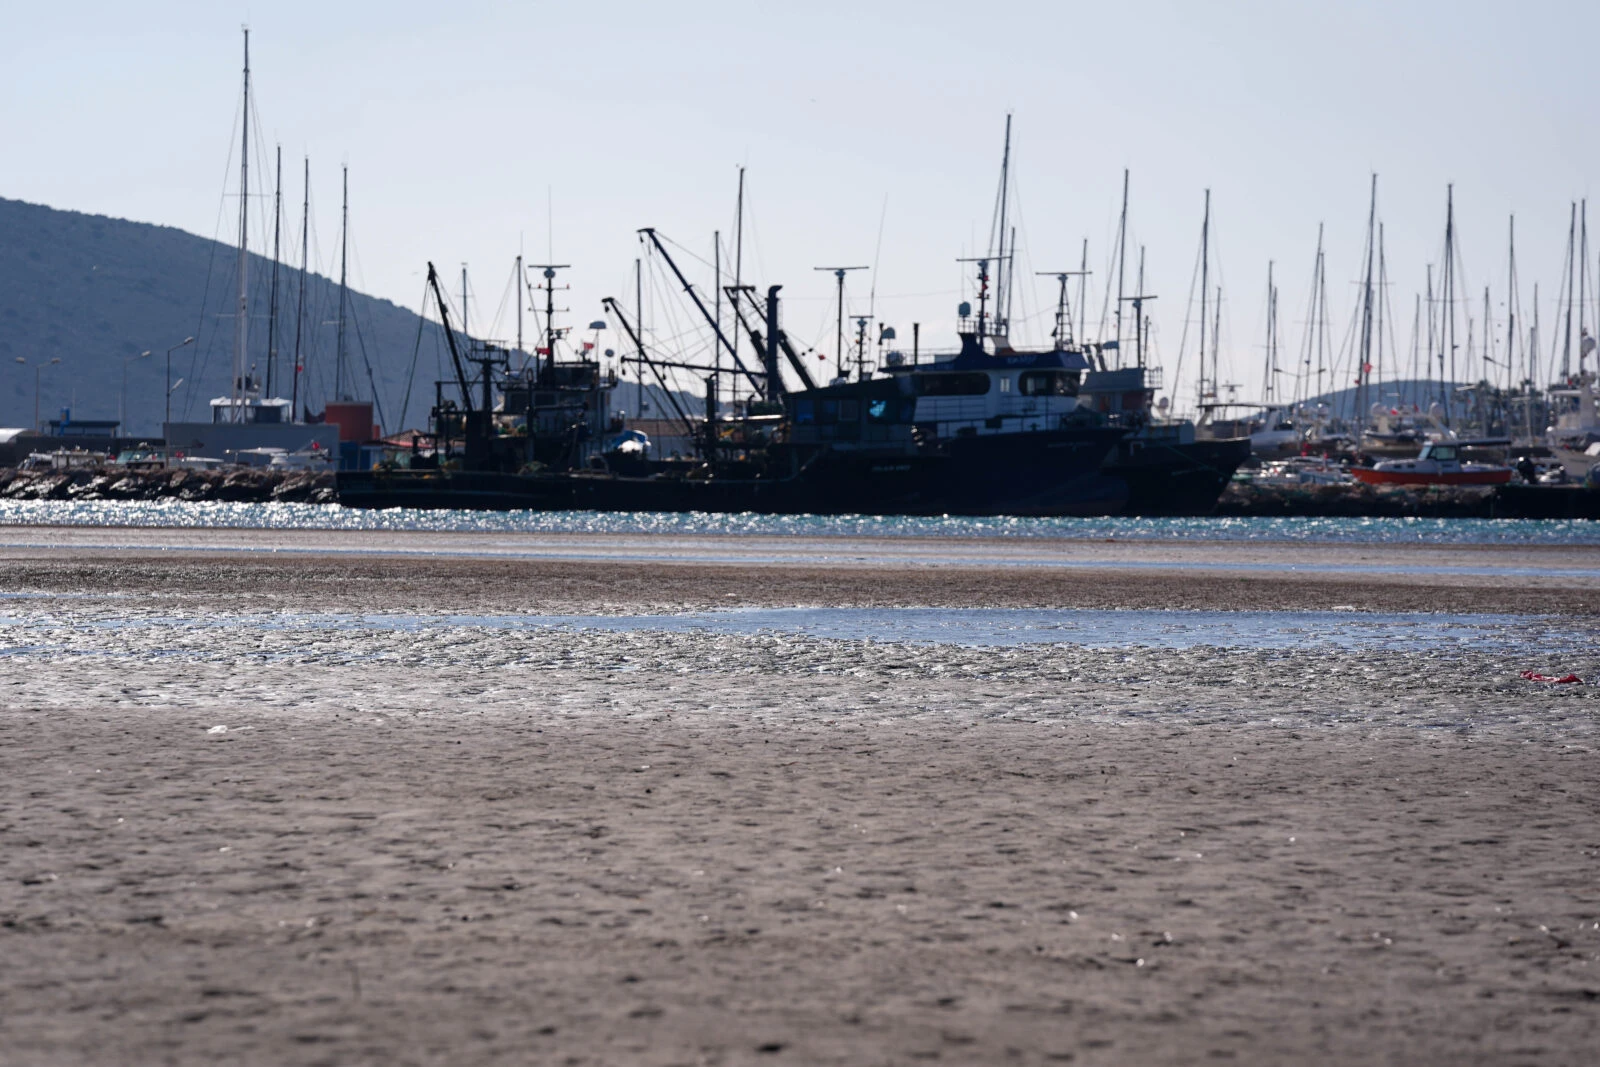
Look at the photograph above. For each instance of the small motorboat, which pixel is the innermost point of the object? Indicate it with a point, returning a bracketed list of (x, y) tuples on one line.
[(1439, 463)]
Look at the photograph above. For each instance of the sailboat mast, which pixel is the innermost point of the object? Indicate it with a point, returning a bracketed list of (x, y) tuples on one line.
[(738, 275), (1272, 314), (1449, 323), (1416, 340), (1583, 278), (1511, 303), (1533, 358), (519, 302), (638, 304), (1122, 250), (300, 313), (1205, 285), (272, 312), (1378, 300), (1082, 332), (241, 333), (1566, 332), (714, 386), (1366, 311), (1319, 311), (344, 289), (1138, 313), (1216, 342), (1002, 284)]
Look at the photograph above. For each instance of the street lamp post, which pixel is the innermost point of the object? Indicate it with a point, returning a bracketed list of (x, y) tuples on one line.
[(37, 369), (174, 348), (122, 407)]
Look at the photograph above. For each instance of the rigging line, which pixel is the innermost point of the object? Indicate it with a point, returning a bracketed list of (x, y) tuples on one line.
[(505, 297), (201, 355), (356, 310), (1183, 340), (372, 381), (877, 257), (1019, 225), (416, 350)]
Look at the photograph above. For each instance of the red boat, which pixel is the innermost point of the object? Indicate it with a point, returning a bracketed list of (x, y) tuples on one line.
[(1439, 463)]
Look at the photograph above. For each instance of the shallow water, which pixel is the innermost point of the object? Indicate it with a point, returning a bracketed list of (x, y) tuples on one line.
[(973, 628), (177, 513)]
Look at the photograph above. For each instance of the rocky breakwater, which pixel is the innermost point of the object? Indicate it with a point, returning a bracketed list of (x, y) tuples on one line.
[(242, 485), (1358, 500)]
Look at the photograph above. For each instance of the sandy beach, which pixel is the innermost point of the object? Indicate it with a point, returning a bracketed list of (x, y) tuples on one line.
[(239, 841)]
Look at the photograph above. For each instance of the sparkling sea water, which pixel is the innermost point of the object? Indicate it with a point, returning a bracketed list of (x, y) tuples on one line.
[(185, 514)]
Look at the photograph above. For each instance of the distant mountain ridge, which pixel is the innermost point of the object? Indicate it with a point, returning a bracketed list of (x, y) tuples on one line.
[(94, 291)]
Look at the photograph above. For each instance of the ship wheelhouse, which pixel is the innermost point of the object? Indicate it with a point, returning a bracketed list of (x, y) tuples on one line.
[(979, 392)]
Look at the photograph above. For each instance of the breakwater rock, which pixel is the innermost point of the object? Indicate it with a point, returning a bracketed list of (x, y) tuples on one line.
[(241, 486), (1358, 500)]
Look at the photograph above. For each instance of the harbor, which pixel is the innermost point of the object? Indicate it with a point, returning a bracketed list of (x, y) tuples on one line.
[(847, 535)]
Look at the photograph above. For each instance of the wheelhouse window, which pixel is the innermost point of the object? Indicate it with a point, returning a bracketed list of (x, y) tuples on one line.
[(1049, 383), (960, 383)]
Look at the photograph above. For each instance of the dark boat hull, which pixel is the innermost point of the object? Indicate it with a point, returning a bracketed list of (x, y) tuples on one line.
[(1518, 501), (1047, 473), (1175, 479)]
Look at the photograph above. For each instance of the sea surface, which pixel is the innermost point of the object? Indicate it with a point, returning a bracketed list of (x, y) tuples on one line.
[(184, 514), (29, 626)]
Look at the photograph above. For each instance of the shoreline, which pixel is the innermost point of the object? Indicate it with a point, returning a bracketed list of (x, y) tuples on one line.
[(340, 842), (619, 573)]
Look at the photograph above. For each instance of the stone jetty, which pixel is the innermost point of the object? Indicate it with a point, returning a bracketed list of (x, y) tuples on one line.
[(245, 485)]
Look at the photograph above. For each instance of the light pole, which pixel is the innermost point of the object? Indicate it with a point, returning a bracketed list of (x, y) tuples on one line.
[(37, 369), (168, 416), (122, 407)]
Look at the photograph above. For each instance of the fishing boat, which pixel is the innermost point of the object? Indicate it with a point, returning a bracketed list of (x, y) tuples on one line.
[(987, 429), (1439, 463)]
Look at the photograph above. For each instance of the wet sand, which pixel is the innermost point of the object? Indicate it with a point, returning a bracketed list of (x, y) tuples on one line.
[(731, 850)]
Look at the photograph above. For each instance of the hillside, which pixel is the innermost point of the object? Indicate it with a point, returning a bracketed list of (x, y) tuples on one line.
[(93, 291)]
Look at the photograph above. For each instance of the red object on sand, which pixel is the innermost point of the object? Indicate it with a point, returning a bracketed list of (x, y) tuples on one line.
[(1535, 676)]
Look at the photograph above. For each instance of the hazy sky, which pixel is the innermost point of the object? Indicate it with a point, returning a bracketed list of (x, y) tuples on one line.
[(469, 126)]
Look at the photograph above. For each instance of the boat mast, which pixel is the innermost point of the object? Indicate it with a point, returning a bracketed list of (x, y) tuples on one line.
[(1583, 279), (1272, 322), (241, 332), (1511, 304), (300, 313), (738, 280), (1449, 323), (272, 313), (1379, 300), (1122, 256), (1362, 367), (1320, 311), (638, 311), (1416, 340), (1216, 342), (1205, 284), (1083, 289), (1566, 332), (1532, 359), (1002, 325), (713, 386), (519, 303), (344, 289), (1138, 313)]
